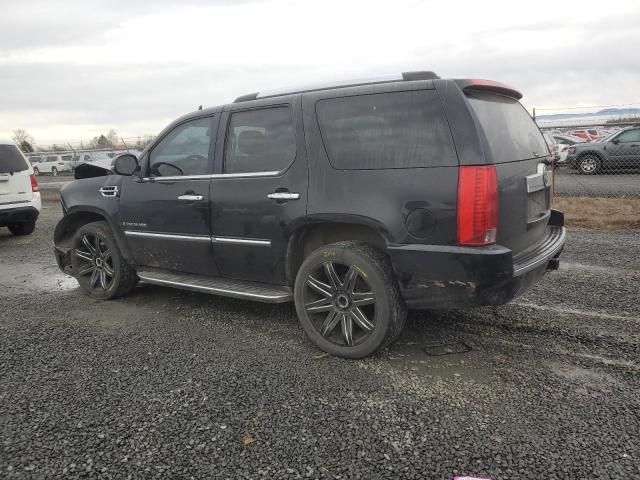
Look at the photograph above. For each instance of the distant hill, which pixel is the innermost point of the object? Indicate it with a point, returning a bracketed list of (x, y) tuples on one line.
[(596, 117)]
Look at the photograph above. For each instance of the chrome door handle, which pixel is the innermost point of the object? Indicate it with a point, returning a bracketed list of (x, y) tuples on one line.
[(190, 198), (283, 196)]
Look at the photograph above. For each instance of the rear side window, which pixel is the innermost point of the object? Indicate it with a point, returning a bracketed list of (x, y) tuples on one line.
[(386, 130), (11, 159), (260, 141), (510, 131)]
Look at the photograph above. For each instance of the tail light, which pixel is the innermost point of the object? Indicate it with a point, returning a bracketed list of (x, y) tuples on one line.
[(34, 183), (477, 206)]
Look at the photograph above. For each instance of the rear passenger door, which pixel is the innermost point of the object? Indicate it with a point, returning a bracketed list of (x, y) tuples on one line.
[(259, 188)]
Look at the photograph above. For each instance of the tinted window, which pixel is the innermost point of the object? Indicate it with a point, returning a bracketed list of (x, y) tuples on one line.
[(387, 130), (510, 131), (11, 159), (53, 158), (260, 141), (183, 151), (629, 136), (66, 158)]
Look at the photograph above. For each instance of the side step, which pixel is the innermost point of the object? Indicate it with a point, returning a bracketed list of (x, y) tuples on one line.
[(260, 292)]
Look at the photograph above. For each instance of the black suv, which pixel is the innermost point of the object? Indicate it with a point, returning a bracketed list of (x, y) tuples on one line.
[(356, 201)]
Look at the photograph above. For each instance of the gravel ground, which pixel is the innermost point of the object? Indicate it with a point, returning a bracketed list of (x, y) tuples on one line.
[(172, 384)]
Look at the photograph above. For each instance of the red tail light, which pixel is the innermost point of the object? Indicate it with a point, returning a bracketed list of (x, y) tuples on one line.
[(34, 183), (477, 206)]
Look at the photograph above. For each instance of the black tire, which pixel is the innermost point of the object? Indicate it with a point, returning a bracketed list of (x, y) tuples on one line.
[(54, 172), (370, 275), (36, 172), (23, 228), (589, 165), (98, 264)]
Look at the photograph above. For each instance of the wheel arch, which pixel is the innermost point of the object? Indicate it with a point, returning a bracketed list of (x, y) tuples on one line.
[(311, 235), (596, 153)]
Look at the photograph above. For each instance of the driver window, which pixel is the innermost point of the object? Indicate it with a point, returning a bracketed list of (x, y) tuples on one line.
[(629, 136), (183, 151)]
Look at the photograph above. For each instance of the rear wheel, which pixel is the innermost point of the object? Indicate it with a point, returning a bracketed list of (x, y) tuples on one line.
[(54, 171), (98, 264), (23, 228), (348, 300), (589, 164)]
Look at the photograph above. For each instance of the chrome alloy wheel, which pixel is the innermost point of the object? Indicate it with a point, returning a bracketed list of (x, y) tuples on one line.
[(336, 293), (588, 165), (94, 258)]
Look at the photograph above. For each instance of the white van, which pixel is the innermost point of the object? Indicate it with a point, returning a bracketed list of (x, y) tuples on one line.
[(20, 201), (52, 164)]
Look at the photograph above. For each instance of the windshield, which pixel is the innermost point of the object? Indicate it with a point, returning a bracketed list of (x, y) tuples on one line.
[(11, 159), (510, 131)]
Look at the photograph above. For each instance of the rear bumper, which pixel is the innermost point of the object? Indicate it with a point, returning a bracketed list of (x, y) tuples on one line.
[(456, 277), (17, 215)]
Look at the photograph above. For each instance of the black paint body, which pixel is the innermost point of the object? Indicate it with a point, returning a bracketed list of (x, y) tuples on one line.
[(409, 212)]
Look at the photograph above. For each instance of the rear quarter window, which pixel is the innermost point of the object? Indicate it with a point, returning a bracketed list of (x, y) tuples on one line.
[(386, 131), (510, 132), (11, 159)]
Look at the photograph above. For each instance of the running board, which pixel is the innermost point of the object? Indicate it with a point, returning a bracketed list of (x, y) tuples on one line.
[(260, 292)]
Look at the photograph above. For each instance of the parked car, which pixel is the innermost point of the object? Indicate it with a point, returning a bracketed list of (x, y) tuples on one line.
[(590, 135), (552, 145), (620, 150), (52, 164), (564, 142), (19, 191), (76, 159), (356, 201)]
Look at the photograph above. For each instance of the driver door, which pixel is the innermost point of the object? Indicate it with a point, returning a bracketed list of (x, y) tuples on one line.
[(165, 214)]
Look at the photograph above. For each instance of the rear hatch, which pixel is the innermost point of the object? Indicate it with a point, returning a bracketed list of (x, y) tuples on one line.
[(15, 184), (513, 143)]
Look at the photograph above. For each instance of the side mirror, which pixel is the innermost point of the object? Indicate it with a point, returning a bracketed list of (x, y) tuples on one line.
[(126, 164)]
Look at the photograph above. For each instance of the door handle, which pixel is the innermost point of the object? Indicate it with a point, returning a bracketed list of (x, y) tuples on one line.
[(190, 198), (283, 196)]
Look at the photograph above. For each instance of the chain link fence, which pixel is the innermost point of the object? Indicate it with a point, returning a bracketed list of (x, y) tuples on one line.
[(596, 161)]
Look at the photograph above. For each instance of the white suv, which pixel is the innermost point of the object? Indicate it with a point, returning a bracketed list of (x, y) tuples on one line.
[(20, 201), (52, 164)]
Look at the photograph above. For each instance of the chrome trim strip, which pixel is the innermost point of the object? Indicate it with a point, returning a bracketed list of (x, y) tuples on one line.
[(167, 236), (109, 191), (207, 177), (241, 241), (202, 288), (283, 196)]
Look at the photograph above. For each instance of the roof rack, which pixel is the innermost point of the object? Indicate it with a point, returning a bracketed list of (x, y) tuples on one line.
[(404, 76)]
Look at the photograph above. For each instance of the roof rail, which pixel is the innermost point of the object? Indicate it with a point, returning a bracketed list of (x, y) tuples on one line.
[(404, 76)]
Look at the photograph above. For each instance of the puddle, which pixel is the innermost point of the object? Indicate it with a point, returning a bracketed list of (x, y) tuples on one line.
[(30, 278)]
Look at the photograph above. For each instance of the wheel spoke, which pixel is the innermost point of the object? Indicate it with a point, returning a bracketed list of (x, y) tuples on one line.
[(87, 243), (320, 287), (103, 279), (332, 275), (95, 276), (330, 323), (350, 279), (361, 319), (322, 305), (108, 269), (86, 256), (361, 299), (87, 270), (347, 329)]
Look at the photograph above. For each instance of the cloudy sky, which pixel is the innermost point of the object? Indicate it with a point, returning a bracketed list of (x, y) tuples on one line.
[(70, 70)]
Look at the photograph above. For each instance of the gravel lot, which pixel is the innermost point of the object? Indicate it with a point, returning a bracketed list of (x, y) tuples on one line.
[(171, 384)]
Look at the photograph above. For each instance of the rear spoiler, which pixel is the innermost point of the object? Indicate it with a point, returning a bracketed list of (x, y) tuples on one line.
[(489, 86)]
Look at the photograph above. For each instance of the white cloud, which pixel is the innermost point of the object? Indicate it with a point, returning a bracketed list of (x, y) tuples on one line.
[(135, 67)]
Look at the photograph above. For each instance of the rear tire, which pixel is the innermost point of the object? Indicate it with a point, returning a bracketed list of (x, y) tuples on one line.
[(98, 264), (348, 300), (23, 228), (589, 165)]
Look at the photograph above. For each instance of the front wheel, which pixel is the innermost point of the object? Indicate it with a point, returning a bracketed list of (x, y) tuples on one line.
[(589, 165), (98, 264), (348, 301)]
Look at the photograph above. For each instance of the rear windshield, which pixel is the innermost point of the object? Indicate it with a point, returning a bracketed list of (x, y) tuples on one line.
[(510, 131), (11, 159)]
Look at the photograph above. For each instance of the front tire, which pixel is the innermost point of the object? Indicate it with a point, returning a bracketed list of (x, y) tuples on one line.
[(348, 301), (589, 165), (23, 228), (98, 264)]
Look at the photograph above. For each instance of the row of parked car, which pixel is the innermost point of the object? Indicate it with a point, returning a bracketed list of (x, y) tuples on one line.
[(55, 163), (592, 151)]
